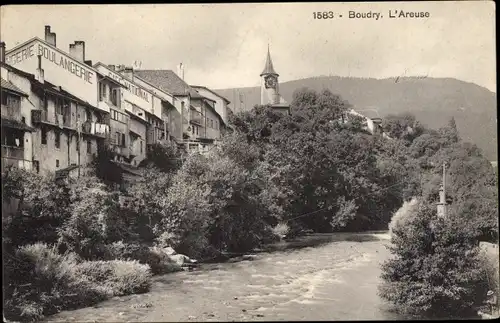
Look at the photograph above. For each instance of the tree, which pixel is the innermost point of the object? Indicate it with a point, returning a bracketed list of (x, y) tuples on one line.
[(95, 219), (148, 197), (38, 206), (164, 157), (402, 126), (435, 271)]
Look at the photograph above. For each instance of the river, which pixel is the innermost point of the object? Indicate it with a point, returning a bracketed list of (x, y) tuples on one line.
[(319, 277)]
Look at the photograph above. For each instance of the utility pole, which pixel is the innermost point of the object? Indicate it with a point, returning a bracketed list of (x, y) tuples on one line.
[(441, 206)]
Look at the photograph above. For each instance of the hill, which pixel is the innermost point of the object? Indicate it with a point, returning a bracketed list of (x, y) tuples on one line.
[(432, 100)]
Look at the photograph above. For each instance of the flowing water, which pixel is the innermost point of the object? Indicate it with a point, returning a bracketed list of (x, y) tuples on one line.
[(319, 277)]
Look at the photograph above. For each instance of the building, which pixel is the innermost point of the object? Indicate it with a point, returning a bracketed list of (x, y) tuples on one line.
[(221, 103), (269, 87), (371, 124), (200, 124), (156, 108), (15, 116), (72, 103)]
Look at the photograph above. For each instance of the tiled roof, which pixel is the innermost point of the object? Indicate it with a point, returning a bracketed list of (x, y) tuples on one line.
[(168, 81), (11, 87), (210, 90)]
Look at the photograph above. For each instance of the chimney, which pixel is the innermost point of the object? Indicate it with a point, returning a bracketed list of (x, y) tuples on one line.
[(112, 67), (39, 75), (50, 37), (77, 50), (180, 71), (2, 52), (128, 72)]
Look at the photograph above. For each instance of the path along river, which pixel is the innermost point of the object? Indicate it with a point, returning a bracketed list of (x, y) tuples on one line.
[(319, 277)]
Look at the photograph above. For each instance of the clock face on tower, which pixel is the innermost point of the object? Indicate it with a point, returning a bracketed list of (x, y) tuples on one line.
[(270, 82)]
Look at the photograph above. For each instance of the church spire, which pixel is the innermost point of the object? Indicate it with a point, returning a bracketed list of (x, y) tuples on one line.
[(269, 69)]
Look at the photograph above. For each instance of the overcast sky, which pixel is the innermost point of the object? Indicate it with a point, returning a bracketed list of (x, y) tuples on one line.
[(224, 45)]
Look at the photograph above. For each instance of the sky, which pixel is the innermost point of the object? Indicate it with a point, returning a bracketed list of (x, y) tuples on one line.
[(225, 45)]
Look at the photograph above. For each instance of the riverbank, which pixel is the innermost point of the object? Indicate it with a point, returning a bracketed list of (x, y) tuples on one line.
[(311, 278)]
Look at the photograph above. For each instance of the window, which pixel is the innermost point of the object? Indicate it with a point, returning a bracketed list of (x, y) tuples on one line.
[(57, 139), (117, 138), (102, 91), (114, 96), (23, 119), (59, 105), (44, 136), (123, 140), (88, 115), (89, 147), (46, 102), (36, 166), (141, 146), (57, 162), (4, 98)]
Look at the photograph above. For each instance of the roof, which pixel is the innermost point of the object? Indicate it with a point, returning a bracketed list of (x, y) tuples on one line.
[(168, 81), (7, 85), (268, 68), (60, 51), (64, 172), (14, 124), (136, 117), (367, 113), (212, 91), (59, 90), (128, 168)]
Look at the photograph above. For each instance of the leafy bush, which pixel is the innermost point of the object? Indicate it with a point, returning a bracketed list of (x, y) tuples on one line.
[(41, 282), (119, 277), (436, 269)]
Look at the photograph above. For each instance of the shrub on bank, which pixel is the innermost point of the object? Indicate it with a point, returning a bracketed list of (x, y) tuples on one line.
[(39, 281), (436, 269), (118, 277)]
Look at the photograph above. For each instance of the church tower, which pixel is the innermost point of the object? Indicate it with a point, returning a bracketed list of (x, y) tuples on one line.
[(269, 87)]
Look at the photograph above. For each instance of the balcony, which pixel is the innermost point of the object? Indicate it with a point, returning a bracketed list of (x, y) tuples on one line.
[(16, 163), (11, 113), (12, 152), (155, 135), (59, 120), (99, 130), (195, 117)]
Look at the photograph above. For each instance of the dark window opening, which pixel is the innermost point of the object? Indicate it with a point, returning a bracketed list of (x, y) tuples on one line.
[(57, 162), (89, 147), (57, 139), (44, 136), (36, 166)]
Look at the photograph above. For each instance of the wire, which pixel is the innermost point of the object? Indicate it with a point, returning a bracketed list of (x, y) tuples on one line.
[(309, 213)]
